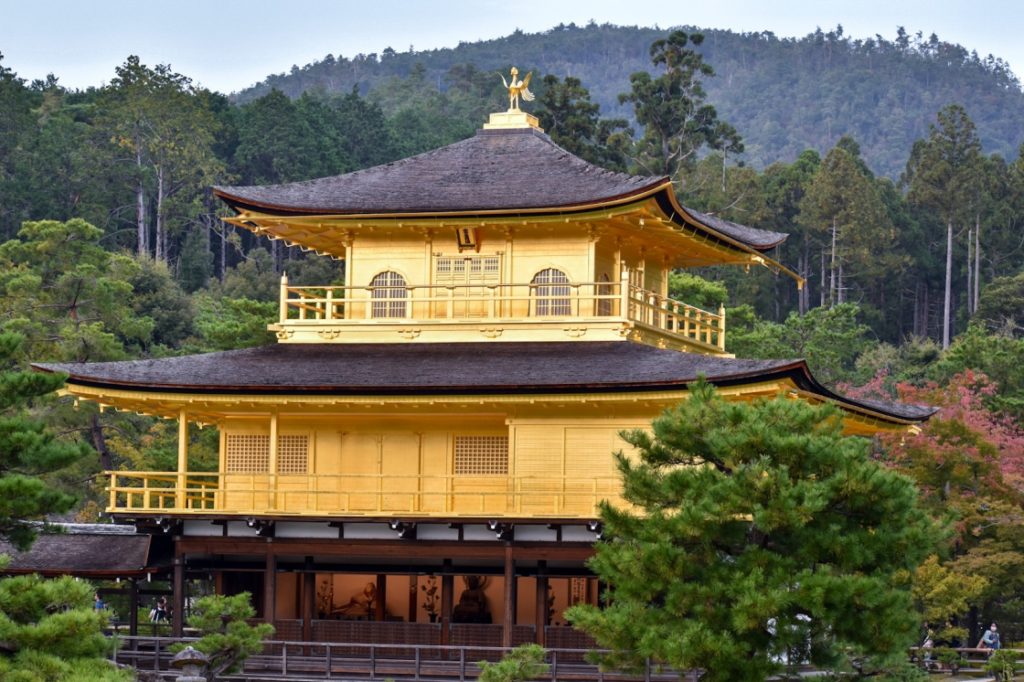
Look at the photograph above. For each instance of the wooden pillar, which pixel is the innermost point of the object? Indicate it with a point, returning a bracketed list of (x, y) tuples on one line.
[(541, 609), (308, 602), (272, 464), (283, 312), (510, 598), (413, 597), (178, 597), (133, 607), (270, 588), (380, 605), (447, 594), (179, 495)]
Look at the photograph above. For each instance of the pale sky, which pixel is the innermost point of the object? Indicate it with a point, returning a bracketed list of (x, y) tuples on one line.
[(228, 45)]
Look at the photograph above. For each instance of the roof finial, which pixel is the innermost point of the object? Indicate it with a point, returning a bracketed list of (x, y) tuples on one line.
[(516, 88)]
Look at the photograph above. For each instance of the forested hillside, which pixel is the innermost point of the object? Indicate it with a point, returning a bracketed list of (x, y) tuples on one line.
[(784, 95)]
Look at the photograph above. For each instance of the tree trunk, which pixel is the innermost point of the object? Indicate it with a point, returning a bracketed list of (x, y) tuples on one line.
[(925, 312), (916, 320), (977, 261), (947, 302), (99, 442), (159, 236), (832, 269), (970, 275), (821, 287), (840, 287), (223, 250), (140, 206)]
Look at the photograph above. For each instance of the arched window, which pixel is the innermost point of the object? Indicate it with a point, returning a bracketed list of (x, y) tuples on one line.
[(388, 293), (604, 288), (551, 289)]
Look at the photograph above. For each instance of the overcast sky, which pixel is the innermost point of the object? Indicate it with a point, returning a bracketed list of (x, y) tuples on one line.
[(228, 45)]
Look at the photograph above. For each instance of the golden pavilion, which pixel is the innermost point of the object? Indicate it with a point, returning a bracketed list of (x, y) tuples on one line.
[(419, 458)]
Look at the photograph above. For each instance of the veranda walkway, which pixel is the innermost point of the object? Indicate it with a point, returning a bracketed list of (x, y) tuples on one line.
[(310, 661)]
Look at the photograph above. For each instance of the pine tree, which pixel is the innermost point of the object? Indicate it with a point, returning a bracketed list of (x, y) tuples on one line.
[(49, 631), (27, 449), (756, 533), (678, 123)]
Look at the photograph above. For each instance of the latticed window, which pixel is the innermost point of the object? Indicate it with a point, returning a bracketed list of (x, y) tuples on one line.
[(247, 454), (551, 289), (292, 454), (467, 269), (481, 455), (604, 288), (250, 454), (388, 292)]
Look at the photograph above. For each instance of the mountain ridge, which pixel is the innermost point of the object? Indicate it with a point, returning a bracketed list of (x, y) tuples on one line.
[(783, 94)]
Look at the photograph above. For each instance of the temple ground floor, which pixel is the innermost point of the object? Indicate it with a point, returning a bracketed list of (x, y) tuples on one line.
[(484, 584)]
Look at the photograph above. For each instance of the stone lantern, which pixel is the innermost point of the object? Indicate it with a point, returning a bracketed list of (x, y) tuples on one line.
[(191, 664)]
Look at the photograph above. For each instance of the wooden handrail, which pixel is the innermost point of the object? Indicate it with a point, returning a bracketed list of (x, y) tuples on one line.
[(363, 494)]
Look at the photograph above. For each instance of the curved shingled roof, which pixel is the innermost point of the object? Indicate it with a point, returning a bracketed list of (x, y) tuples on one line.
[(496, 171), (477, 368)]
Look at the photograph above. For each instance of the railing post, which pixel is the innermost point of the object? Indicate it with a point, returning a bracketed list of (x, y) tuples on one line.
[(721, 326), (283, 315), (113, 490), (329, 303), (624, 294)]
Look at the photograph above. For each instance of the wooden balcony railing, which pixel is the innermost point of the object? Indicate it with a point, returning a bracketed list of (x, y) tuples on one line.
[(338, 307), (360, 494)]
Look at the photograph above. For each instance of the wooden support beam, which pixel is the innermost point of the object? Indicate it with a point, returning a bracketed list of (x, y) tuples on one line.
[(381, 603), (308, 604), (447, 596), (541, 608), (178, 598), (413, 598), (270, 588), (510, 598), (381, 551)]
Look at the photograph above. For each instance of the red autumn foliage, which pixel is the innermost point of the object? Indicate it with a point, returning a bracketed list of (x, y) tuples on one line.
[(963, 448)]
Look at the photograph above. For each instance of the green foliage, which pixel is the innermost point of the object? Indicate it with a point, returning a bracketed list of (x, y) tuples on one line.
[(1001, 305), (157, 296), (51, 633), (226, 637), (755, 529), (902, 672), (998, 355), (255, 278), (830, 339), (522, 664), (573, 122), (677, 122), (696, 290), (941, 595), (1003, 665), (229, 323), (28, 449), (67, 295), (949, 658)]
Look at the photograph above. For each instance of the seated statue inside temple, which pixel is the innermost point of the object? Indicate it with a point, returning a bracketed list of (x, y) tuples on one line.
[(472, 606), (360, 606)]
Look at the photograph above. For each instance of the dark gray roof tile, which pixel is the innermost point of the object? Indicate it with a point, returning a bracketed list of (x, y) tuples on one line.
[(429, 368)]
